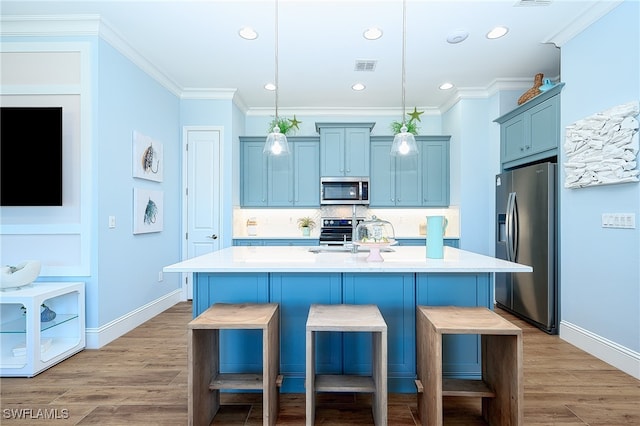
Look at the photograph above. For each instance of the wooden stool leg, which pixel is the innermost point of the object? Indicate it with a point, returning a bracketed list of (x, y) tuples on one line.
[(502, 371), (310, 379), (270, 367), (379, 366), (204, 364), (429, 373)]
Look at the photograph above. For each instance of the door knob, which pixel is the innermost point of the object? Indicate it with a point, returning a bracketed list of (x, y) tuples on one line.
[(213, 236)]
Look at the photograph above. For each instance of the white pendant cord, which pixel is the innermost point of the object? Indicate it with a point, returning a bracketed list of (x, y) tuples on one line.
[(404, 42), (276, 68)]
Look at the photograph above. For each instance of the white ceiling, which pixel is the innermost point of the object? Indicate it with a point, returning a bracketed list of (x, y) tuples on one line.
[(194, 46)]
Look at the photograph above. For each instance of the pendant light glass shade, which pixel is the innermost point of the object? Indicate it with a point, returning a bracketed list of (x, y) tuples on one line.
[(404, 143), (276, 143)]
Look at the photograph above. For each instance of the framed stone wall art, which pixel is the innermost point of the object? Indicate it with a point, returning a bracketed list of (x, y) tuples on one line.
[(603, 148), (148, 211), (148, 162)]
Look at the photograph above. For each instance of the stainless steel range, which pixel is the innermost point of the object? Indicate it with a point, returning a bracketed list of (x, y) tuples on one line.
[(338, 231)]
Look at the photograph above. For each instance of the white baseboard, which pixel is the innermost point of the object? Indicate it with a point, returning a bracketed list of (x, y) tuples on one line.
[(610, 352), (98, 337)]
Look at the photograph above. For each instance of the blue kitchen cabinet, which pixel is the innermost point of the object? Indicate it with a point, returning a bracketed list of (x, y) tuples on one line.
[(461, 354), (253, 166), (531, 132), (413, 181), (280, 181), (344, 148), (276, 242), (451, 242), (306, 178), (295, 293), (395, 181), (248, 242), (280, 178), (434, 158), (394, 295)]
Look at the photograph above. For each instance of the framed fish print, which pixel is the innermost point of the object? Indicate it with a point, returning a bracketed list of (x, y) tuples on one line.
[(148, 211), (148, 162)]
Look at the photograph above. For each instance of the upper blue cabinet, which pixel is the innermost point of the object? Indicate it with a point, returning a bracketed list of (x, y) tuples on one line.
[(280, 181), (344, 148), (413, 181), (531, 132)]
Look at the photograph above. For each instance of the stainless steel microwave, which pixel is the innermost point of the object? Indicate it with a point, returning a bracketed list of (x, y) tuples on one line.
[(344, 190)]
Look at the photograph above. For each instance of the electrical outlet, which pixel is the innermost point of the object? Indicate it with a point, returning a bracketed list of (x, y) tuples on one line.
[(160, 276)]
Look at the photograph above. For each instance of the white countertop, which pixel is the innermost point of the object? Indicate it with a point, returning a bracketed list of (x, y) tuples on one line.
[(299, 259)]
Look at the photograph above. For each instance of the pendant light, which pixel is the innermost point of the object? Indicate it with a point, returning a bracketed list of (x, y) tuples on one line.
[(404, 143), (276, 143)]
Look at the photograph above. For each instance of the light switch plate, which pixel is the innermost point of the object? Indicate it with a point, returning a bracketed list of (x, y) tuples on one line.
[(619, 220)]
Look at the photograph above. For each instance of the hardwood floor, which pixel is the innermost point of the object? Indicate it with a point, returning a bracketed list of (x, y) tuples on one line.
[(141, 379)]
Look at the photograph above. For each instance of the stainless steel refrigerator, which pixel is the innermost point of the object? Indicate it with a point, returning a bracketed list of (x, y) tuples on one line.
[(526, 232)]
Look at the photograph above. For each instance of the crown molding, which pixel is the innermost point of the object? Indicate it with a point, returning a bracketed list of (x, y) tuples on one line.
[(580, 23), (83, 25)]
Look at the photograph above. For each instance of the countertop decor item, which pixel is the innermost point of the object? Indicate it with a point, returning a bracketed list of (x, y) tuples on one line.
[(306, 224), (375, 234), (14, 277), (252, 227), (534, 91)]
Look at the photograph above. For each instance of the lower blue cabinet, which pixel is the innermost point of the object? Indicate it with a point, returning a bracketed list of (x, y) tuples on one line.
[(295, 293), (395, 294)]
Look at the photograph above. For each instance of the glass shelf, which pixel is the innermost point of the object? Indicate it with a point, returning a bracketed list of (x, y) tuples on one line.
[(19, 326)]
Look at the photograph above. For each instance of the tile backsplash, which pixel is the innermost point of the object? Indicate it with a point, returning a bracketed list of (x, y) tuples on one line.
[(283, 223)]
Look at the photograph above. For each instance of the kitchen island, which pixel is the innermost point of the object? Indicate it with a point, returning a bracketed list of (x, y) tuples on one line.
[(295, 277)]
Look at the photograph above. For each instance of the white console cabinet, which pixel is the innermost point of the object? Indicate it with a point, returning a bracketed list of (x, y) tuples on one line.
[(29, 345)]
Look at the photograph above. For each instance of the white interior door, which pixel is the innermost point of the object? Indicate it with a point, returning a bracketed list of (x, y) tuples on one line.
[(201, 206)]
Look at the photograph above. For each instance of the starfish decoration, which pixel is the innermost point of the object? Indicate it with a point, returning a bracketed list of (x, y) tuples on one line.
[(295, 122), (415, 115)]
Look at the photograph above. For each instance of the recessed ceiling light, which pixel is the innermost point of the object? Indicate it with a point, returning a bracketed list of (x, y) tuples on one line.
[(270, 86), (358, 87), (497, 32), (248, 33), (446, 86), (457, 36), (372, 33)]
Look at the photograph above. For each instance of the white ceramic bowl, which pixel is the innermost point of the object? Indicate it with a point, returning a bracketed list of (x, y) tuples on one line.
[(20, 275)]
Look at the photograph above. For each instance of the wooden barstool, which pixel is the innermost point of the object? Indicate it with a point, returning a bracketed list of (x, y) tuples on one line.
[(205, 378), (348, 318), (501, 387)]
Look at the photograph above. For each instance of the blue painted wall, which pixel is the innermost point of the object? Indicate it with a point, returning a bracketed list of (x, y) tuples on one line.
[(127, 99), (600, 270)]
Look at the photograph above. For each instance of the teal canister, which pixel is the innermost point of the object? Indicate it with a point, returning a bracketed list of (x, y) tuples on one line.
[(436, 226)]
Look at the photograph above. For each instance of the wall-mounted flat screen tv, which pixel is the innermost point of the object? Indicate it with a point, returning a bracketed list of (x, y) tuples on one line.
[(31, 156)]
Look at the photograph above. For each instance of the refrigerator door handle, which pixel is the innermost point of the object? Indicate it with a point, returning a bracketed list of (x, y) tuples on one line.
[(516, 225), (509, 227)]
